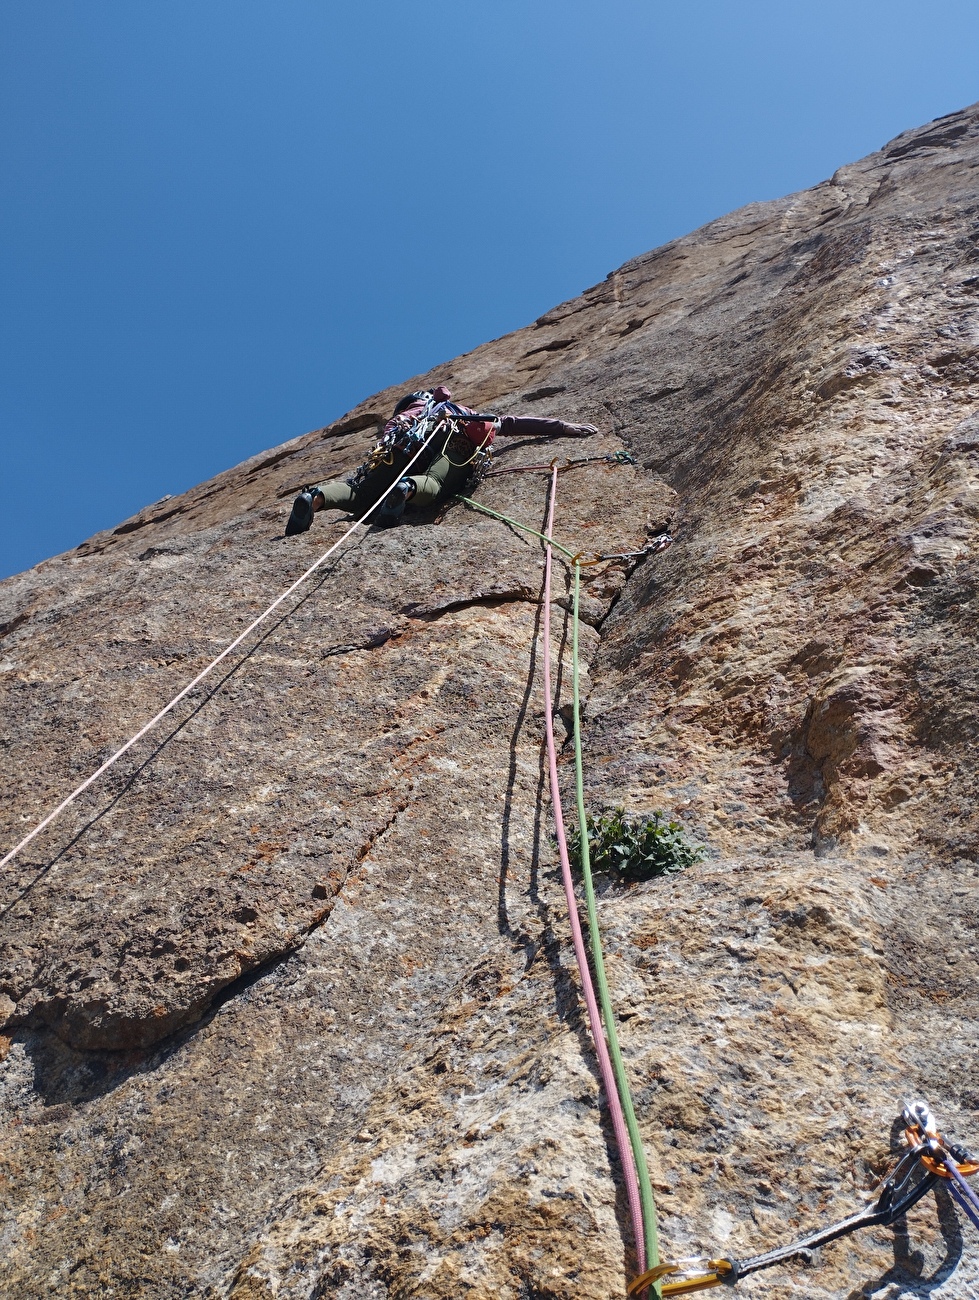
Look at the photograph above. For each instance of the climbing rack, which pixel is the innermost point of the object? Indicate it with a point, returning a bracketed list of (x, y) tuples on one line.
[(408, 437)]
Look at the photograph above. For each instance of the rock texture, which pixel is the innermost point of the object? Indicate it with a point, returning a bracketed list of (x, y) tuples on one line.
[(290, 1008)]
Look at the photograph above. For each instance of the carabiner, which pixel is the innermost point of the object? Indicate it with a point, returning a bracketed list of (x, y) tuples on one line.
[(713, 1272), (922, 1129)]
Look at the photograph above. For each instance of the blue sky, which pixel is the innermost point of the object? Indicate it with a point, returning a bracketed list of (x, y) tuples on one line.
[(227, 221)]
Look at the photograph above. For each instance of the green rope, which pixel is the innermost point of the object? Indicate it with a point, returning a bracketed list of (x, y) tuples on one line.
[(650, 1232), (516, 524), (598, 961)]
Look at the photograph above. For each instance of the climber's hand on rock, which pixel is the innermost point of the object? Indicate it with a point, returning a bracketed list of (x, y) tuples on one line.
[(582, 430)]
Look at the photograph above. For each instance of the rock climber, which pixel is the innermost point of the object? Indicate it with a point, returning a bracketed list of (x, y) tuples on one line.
[(450, 461)]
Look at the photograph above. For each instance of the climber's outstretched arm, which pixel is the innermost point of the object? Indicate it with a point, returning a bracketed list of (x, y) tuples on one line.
[(532, 426)]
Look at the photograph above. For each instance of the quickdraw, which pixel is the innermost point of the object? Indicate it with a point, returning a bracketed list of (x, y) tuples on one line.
[(695, 1274), (659, 543), (613, 458), (930, 1158)]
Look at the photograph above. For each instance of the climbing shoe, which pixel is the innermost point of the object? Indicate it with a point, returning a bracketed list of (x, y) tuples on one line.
[(301, 519), (391, 509)]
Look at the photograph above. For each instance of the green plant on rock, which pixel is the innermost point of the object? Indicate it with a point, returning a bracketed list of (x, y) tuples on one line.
[(635, 846)]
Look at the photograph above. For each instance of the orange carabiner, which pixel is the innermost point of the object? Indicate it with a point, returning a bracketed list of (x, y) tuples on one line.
[(934, 1164)]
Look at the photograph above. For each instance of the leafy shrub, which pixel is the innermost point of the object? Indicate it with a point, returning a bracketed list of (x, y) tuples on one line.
[(635, 847)]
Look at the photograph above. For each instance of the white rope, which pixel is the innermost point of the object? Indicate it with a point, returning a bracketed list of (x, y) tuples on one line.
[(210, 667)]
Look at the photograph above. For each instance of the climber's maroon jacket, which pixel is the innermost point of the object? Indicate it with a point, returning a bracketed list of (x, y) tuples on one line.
[(529, 426)]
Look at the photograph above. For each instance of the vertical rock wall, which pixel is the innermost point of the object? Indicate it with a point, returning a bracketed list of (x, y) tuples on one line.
[(290, 1007)]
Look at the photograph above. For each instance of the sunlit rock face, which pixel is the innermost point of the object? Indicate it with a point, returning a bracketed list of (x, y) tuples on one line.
[(291, 1010)]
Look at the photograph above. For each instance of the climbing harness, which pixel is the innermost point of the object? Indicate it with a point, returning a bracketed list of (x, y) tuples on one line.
[(405, 436), (205, 672)]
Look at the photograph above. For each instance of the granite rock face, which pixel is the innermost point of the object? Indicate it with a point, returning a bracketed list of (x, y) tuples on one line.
[(290, 1008)]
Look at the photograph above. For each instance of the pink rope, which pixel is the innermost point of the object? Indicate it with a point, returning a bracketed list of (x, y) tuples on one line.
[(594, 1017)]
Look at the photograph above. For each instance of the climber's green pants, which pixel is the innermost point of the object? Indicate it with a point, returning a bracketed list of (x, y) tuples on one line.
[(444, 477)]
